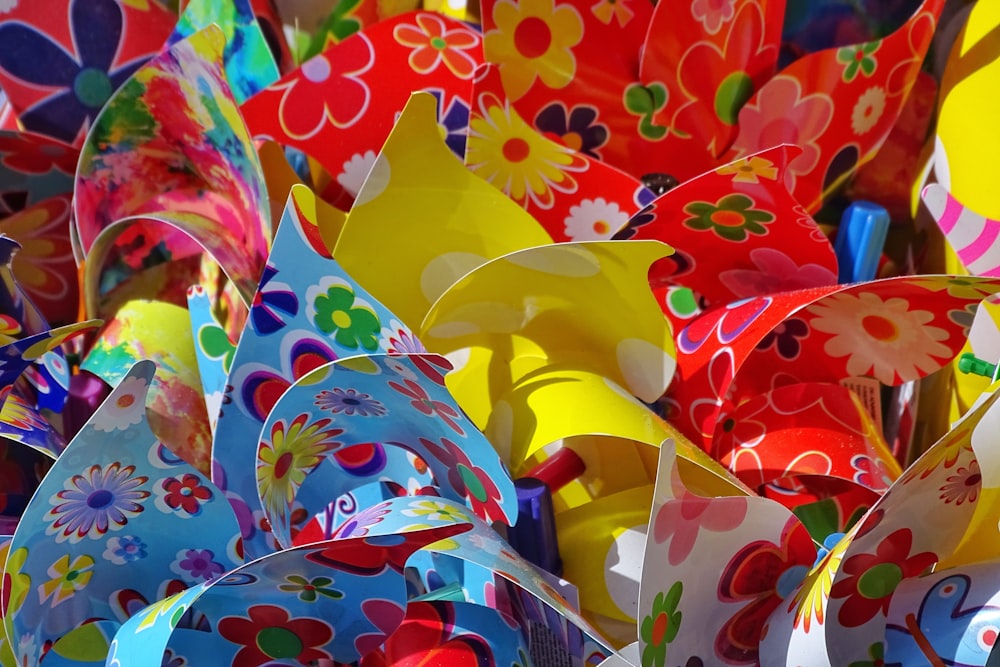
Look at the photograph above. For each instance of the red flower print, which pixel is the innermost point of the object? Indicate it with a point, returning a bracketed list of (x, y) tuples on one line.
[(268, 633), (468, 480), (327, 88), (682, 519), (35, 154), (372, 555), (715, 100), (964, 485), (428, 406), (433, 43), (761, 575), (386, 616), (872, 578), (425, 638), (185, 493)]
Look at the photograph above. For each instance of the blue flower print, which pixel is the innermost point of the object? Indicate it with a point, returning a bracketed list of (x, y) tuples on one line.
[(82, 82), (453, 121), (272, 304)]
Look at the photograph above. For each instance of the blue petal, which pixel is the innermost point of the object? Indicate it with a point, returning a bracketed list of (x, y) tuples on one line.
[(31, 56), (60, 116), (97, 29)]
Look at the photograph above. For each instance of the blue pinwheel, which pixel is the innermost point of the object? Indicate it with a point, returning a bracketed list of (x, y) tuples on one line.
[(82, 82)]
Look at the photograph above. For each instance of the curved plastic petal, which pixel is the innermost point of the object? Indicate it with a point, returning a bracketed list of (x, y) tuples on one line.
[(616, 331), (189, 163), (574, 196), (737, 233), (250, 66), (116, 499), (360, 604), (375, 399), (307, 312), (427, 219), (838, 105), (964, 128)]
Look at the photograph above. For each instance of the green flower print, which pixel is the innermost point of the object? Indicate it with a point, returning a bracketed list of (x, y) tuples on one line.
[(661, 626), (309, 590), (877, 654), (858, 58), (731, 218), (216, 345), (645, 101), (353, 325)]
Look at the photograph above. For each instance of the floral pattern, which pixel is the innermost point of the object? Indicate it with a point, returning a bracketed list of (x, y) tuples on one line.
[(506, 151), (349, 402), (964, 485), (82, 81), (468, 479), (533, 39), (215, 344), (273, 304), (182, 495), (761, 575), (888, 339), (327, 90), (125, 549), (268, 633), (433, 43), (295, 448), (780, 114), (749, 170), (34, 154), (774, 272), (128, 409), (870, 579), (576, 128), (732, 218), (351, 322), (646, 102), (67, 577), (197, 565), (785, 338), (428, 635), (810, 601), (877, 654), (681, 520), (594, 220), (858, 59), (103, 499), (712, 13), (871, 473), (661, 625), (868, 110), (422, 402), (310, 590)]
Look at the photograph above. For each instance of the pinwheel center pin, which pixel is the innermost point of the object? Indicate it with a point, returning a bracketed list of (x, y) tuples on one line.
[(532, 37)]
